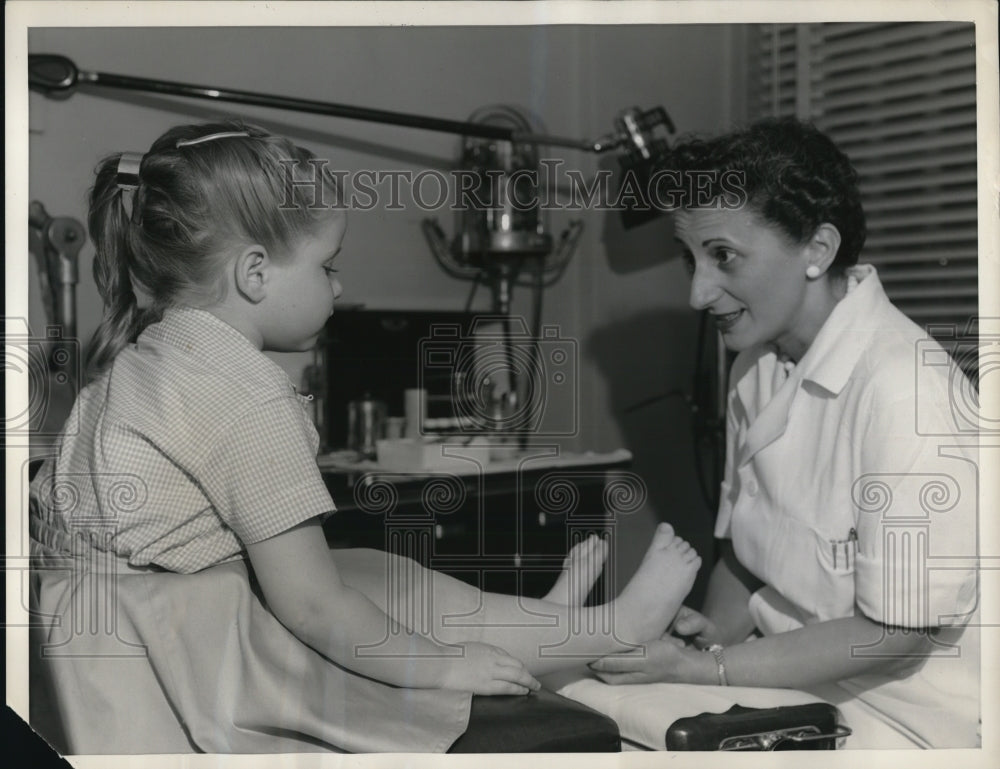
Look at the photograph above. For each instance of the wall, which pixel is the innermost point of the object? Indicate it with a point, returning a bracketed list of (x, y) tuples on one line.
[(624, 297)]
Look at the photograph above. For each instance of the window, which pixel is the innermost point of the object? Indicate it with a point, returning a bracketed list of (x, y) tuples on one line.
[(900, 99)]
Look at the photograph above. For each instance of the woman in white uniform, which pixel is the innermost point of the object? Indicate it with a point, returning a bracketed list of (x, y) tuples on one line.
[(849, 507)]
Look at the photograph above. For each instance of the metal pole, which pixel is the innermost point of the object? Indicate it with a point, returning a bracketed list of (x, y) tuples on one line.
[(52, 73)]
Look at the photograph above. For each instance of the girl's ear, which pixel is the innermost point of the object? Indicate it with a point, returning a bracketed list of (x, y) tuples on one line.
[(251, 271), (822, 249)]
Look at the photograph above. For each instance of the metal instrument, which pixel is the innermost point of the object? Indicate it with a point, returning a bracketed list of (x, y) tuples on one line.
[(56, 244)]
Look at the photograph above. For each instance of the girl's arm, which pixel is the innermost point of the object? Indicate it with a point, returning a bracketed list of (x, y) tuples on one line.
[(304, 591)]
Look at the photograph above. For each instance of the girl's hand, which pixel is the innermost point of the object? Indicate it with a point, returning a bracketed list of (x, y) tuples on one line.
[(695, 626), (485, 669)]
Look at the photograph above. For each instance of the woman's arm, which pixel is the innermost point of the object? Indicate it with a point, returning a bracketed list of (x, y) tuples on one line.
[(304, 591), (809, 655), (826, 651)]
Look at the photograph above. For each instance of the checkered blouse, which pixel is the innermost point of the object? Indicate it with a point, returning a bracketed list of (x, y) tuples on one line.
[(191, 444)]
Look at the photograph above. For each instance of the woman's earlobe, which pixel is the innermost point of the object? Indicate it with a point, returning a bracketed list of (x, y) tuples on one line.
[(821, 250), (250, 273)]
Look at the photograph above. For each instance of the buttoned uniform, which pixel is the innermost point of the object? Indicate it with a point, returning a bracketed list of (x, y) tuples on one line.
[(847, 491), (191, 446)]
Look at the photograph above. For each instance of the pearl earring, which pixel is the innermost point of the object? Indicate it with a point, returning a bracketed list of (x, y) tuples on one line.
[(812, 272)]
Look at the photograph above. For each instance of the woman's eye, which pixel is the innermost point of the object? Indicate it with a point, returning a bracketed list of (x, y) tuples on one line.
[(329, 270), (724, 256)]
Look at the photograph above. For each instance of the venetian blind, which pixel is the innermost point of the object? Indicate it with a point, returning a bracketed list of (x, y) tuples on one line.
[(900, 100)]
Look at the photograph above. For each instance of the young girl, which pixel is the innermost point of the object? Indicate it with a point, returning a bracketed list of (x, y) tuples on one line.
[(189, 490)]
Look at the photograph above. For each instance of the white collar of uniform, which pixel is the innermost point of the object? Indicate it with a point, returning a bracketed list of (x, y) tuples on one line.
[(844, 336)]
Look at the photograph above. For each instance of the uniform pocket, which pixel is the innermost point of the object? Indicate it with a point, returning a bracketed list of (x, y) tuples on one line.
[(843, 553), (817, 576), (837, 559)]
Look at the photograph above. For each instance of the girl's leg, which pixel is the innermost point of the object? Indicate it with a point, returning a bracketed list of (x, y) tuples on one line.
[(545, 636)]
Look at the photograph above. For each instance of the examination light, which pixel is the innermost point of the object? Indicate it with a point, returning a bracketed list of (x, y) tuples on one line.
[(634, 135)]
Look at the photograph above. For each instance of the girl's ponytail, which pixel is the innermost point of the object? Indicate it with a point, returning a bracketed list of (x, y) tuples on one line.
[(164, 222), (110, 228)]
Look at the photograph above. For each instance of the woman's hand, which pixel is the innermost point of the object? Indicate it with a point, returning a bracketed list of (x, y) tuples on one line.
[(667, 660), (485, 669)]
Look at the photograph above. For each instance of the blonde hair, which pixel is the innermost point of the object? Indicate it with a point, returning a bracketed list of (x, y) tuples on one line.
[(194, 200)]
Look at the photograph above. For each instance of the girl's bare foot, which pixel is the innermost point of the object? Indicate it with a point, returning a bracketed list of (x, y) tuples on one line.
[(581, 569), (656, 591)]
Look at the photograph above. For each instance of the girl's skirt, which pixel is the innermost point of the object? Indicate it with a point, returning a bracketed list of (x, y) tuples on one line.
[(147, 661)]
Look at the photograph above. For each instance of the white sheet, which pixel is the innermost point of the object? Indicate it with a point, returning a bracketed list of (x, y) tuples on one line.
[(644, 711)]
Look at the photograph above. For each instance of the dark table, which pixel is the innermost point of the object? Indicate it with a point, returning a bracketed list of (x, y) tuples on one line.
[(501, 525)]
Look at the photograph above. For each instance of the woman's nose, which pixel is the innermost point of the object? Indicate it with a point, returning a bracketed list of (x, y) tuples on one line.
[(337, 288), (703, 290)]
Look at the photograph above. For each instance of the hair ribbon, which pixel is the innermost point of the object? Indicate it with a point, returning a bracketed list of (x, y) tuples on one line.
[(127, 177)]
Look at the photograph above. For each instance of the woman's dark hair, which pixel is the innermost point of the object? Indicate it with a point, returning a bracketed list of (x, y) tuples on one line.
[(789, 172), (201, 191)]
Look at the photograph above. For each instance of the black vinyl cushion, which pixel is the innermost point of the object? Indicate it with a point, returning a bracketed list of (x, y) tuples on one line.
[(541, 722)]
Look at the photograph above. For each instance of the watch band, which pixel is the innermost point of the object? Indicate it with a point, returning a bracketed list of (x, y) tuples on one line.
[(720, 660)]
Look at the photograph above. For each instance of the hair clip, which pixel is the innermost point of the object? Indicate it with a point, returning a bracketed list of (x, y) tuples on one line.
[(128, 170), (210, 138)]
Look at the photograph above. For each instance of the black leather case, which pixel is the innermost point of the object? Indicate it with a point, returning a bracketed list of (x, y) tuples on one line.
[(814, 726)]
